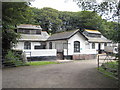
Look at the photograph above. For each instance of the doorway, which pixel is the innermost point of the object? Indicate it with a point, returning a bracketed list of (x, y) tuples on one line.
[(60, 56), (99, 48)]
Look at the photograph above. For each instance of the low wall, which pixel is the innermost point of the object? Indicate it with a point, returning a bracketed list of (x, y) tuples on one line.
[(84, 56), (42, 58), (86, 51), (41, 52)]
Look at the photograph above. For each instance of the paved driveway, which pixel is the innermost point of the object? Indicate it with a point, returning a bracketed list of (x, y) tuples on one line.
[(77, 74)]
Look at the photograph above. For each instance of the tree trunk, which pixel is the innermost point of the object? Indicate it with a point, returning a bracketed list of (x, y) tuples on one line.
[(119, 65)]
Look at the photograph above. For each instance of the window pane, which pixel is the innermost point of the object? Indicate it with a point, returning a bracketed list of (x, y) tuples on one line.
[(76, 46), (37, 47), (38, 32), (50, 45), (32, 31), (93, 45), (27, 45)]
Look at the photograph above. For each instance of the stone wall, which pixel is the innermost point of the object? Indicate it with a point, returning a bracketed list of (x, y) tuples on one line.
[(42, 58), (84, 56)]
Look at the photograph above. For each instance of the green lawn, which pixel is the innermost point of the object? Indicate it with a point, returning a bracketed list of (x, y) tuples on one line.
[(113, 64), (36, 63)]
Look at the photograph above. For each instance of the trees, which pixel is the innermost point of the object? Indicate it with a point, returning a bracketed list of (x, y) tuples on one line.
[(47, 18), (88, 19), (13, 13), (79, 20), (53, 21), (109, 11)]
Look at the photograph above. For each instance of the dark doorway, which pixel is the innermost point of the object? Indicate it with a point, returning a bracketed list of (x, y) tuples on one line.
[(99, 48), (60, 56)]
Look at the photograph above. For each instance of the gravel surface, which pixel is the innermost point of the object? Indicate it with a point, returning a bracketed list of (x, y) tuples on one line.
[(77, 74)]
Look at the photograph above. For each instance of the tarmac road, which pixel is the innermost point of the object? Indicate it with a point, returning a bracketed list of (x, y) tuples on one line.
[(77, 74)]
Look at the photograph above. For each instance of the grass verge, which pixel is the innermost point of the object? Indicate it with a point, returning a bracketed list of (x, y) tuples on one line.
[(36, 63)]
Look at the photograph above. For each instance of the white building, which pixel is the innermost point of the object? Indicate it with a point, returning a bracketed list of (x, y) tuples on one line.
[(77, 45), (33, 41), (71, 44)]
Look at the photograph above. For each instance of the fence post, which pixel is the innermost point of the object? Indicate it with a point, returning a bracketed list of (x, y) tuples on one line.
[(98, 61)]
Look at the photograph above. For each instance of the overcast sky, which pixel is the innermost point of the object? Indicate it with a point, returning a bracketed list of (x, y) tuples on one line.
[(61, 5)]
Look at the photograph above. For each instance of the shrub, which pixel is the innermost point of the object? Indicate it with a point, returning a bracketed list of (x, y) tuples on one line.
[(12, 59)]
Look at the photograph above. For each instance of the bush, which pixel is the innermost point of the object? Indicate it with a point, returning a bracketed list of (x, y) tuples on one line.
[(12, 59)]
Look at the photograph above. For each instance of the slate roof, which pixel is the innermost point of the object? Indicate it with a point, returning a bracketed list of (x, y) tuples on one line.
[(98, 40), (29, 26), (63, 35), (68, 34), (28, 37)]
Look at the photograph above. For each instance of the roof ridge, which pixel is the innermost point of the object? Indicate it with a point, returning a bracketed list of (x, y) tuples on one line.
[(29, 24), (91, 30), (65, 35), (65, 31)]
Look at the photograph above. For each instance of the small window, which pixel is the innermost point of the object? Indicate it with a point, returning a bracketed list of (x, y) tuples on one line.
[(105, 44), (23, 31), (93, 45), (50, 45), (26, 31), (38, 31), (32, 31), (27, 45), (37, 47), (76, 46)]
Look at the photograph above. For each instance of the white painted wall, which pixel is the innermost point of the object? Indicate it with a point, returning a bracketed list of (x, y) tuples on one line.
[(35, 52), (85, 51), (41, 52), (102, 46), (84, 45), (20, 45), (76, 37), (96, 46)]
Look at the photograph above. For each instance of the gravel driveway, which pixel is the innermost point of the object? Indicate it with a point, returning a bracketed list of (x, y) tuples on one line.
[(77, 74)]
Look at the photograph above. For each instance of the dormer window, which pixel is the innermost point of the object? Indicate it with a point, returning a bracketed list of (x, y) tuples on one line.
[(28, 31), (92, 33), (38, 31)]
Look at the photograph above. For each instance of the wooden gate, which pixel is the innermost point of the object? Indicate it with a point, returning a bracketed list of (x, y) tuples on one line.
[(108, 64)]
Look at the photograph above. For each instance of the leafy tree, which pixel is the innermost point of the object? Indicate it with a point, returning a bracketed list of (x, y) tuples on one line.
[(107, 9), (67, 20), (47, 18), (53, 21), (88, 19), (78, 20), (13, 13)]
